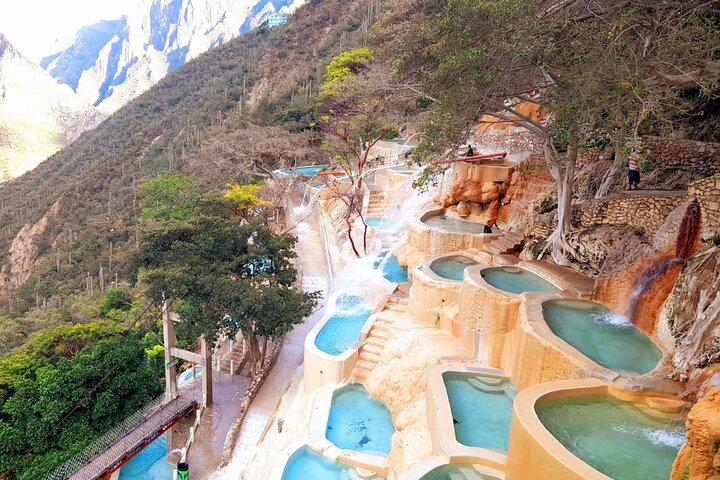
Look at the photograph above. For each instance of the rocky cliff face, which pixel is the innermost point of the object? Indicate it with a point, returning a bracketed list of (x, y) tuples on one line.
[(37, 116), (114, 61)]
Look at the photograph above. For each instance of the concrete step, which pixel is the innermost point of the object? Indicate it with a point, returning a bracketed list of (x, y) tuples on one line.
[(375, 342), (379, 334), (374, 349), (364, 365), (380, 326), (396, 307), (369, 357)]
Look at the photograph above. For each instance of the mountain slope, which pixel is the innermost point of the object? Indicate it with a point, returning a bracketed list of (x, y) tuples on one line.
[(88, 189), (37, 116), (112, 62)]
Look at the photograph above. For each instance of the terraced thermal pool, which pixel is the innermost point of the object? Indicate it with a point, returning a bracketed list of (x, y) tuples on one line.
[(455, 472), (614, 437), (392, 270), (358, 422), (451, 268), (455, 225), (342, 330), (481, 409), (149, 464), (602, 335), (307, 465), (517, 280), (308, 171)]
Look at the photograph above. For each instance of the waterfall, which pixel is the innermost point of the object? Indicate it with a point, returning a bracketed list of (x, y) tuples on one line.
[(685, 245)]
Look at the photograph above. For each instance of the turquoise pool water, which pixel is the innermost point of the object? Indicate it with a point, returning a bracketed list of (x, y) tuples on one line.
[(307, 465), (601, 335), (392, 270), (517, 280), (456, 225), (308, 171), (381, 224), (149, 464), (452, 268), (481, 409), (187, 375), (614, 437), (342, 330), (358, 422), (455, 472)]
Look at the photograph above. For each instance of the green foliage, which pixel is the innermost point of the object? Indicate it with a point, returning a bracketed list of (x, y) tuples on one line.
[(343, 68), (87, 376), (244, 199), (169, 197), (221, 267), (115, 300)]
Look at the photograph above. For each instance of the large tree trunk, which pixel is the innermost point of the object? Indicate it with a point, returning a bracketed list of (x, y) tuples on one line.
[(254, 353), (263, 351), (563, 171), (615, 169)]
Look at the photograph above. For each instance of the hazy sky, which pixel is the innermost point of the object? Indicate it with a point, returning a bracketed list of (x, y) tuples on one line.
[(34, 26)]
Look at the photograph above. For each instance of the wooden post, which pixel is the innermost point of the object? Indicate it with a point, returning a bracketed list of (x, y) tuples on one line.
[(207, 373), (169, 344)]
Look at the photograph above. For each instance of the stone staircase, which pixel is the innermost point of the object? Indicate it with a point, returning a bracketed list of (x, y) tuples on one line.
[(236, 356), (372, 348), (511, 242), (377, 204)]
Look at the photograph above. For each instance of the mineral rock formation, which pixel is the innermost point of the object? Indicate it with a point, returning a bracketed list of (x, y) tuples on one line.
[(699, 458), (472, 191)]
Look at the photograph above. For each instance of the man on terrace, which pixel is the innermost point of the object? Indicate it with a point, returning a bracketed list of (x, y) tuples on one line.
[(634, 171), (470, 152)]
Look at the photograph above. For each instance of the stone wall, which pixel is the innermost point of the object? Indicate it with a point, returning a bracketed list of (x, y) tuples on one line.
[(707, 192), (511, 140), (647, 212), (663, 151)]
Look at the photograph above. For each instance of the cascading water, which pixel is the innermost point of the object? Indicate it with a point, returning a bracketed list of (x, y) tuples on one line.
[(685, 245)]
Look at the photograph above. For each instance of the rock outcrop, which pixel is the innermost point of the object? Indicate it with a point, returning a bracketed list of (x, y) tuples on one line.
[(38, 117), (699, 458), (113, 61)]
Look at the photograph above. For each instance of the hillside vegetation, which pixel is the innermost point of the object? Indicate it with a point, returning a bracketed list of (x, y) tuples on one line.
[(253, 93)]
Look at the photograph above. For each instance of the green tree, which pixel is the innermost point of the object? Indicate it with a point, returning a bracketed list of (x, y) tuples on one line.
[(52, 410), (116, 302), (169, 197), (356, 113), (585, 65), (228, 275)]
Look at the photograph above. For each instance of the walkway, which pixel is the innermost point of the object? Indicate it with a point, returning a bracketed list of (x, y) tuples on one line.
[(262, 410), (205, 455), (119, 452)]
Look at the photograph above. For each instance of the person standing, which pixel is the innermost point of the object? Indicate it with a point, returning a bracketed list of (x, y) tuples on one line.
[(634, 171)]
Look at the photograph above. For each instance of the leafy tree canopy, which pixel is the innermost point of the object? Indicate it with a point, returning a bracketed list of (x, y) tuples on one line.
[(169, 197)]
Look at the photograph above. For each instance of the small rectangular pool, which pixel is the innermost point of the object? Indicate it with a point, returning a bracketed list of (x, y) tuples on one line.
[(481, 409)]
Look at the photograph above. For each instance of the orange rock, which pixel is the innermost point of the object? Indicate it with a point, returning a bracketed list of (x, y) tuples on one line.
[(699, 458)]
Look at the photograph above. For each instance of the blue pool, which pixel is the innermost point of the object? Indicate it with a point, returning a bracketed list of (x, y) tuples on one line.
[(455, 472), (307, 465), (187, 375), (307, 171), (382, 224), (342, 330), (603, 336), (517, 280), (149, 464), (617, 438), (392, 270), (452, 268), (358, 422), (481, 409)]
